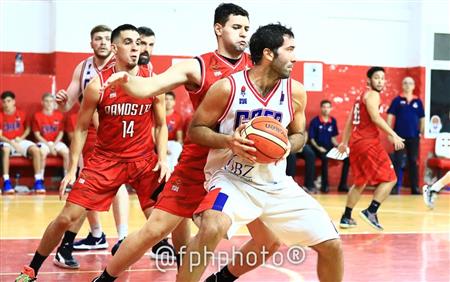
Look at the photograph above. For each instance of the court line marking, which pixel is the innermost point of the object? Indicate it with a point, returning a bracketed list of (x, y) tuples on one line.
[(428, 212), (293, 276), (347, 232), (87, 271)]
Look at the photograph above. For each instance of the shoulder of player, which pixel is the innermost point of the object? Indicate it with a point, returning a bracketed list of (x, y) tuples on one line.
[(93, 85), (297, 88), (371, 94)]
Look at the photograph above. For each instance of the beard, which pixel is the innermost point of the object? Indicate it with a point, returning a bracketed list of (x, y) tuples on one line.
[(101, 56), (144, 58), (375, 88)]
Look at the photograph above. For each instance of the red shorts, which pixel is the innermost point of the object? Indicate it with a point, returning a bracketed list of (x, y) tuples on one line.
[(100, 179), (184, 191), (89, 145), (370, 163)]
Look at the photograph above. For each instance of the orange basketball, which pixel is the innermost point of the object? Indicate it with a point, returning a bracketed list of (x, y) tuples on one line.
[(269, 137)]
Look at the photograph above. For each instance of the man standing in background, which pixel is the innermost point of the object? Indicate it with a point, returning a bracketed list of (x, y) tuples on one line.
[(407, 109), (175, 127)]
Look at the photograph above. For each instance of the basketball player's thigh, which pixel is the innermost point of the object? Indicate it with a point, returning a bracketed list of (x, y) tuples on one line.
[(230, 196), (296, 218), (98, 184)]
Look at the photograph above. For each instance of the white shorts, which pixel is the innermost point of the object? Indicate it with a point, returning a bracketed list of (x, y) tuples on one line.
[(294, 217), (25, 144), (175, 149), (60, 146)]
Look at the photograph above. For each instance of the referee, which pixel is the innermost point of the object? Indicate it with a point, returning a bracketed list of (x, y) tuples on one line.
[(408, 112)]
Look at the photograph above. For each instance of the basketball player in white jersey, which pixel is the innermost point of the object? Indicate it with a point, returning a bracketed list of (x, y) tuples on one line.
[(241, 190), (66, 99)]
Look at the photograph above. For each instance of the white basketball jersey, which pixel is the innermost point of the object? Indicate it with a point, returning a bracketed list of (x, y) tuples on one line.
[(244, 104), (90, 70)]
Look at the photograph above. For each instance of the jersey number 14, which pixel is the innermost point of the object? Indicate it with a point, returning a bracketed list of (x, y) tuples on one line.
[(128, 128)]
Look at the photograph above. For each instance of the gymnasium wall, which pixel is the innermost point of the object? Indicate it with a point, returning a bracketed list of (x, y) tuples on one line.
[(346, 37)]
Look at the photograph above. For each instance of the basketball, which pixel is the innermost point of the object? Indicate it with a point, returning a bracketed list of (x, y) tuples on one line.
[(270, 138)]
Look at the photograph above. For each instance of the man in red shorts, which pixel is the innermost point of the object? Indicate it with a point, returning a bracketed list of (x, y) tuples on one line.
[(184, 190), (369, 161), (124, 152)]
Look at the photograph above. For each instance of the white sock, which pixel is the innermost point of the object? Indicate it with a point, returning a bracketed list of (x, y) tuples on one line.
[(122, 231), (5, 176), (96, 231), (438, 185), (38, 176)]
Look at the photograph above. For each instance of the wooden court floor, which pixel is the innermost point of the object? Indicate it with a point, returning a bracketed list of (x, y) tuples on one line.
[(415, 245)]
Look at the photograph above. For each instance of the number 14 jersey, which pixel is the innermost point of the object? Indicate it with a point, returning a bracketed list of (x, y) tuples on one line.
[(124, 131)]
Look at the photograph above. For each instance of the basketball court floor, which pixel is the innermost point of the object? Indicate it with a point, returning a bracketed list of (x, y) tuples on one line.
[(415, 245)]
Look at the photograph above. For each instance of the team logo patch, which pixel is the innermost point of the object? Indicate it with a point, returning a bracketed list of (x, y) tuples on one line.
[(243, 100), (175, 188), (81, 180), (112, 95), (217, 73)]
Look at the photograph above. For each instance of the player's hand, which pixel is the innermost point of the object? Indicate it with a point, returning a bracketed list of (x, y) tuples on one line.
[(61, 97), (51, 146), (286, 154), (398, 142), (69, 179), (164, 171), (342, 148), (241, 146), (117, 78)]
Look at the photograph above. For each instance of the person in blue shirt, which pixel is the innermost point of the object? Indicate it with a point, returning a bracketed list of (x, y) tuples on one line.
[(408, 112), (322, 133)]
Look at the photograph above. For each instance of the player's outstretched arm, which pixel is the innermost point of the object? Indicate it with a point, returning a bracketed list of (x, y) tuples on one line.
[(372, 101), (161, 136), (296, 129), (87, 109), (206, 118), (67, 98), (186, 72)]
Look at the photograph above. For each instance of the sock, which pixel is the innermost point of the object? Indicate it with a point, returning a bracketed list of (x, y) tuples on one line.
[(68, 238), (224, 275), (348, 212), (5, 177), (373, 207), (105, 277), (122, 231), (37, 262), (96, 231), (38, 176)]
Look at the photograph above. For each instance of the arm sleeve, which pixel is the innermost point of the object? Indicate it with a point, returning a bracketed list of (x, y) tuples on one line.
[(421, 110), (335, 128), (393, 107), (312, 129)]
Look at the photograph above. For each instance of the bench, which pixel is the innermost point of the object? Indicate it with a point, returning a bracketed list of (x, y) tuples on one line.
[(440, 164)]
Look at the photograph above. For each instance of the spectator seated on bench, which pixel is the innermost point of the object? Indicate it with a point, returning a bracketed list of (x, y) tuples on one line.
[(14, 130)]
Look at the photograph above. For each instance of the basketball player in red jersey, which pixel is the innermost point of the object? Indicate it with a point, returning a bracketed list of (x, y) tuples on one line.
[(369, 161), (147, 45), (124, 152), (85, 71), (184, 190)]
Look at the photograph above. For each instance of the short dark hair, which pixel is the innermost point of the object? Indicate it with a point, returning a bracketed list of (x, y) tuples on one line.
[(269, 36), (323, 102), (8, 94), (170, 93), (99, 28), (224, 10), (116, 32), (145, 31), (373, 70), (45, 95)]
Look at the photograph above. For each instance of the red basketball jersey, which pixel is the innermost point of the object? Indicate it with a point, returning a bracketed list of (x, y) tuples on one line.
[(48, 125), (124, 131), (174, 123), (214, 67), (363, 126), (13, 125)]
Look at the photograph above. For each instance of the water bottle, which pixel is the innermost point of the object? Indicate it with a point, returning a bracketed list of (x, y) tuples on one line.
[(19, 67)]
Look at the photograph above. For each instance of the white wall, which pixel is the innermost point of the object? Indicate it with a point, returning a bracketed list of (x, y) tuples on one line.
[(389, 33)]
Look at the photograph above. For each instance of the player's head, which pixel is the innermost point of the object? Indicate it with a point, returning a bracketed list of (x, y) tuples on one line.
[(170, 101), (408, 85), (125, 45), (147, 43), (48, 102), (273, 45), (8, 101), (101, 41), (325, 108), (375, 78), (231, 25)]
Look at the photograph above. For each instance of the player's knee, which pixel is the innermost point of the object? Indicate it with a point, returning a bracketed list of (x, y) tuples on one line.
[(64, 221), (330, 248), (213, 229), (34, 152)]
